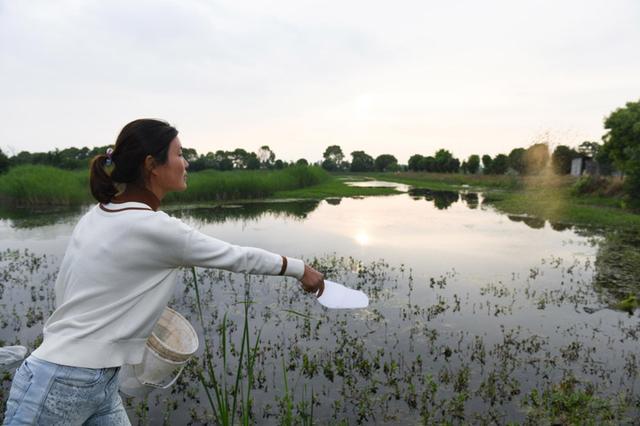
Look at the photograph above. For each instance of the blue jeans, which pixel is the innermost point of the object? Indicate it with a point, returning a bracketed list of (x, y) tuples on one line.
[(51, 394)]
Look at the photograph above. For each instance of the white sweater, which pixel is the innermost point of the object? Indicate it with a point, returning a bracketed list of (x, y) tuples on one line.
[(118, 274)]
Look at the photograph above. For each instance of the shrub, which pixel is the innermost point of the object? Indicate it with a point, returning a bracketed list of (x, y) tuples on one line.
[(589, 185)]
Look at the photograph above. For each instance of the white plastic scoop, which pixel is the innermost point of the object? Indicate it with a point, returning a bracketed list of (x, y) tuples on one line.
[(337, 296)]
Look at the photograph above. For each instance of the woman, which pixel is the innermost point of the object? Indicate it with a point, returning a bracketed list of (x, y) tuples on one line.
[(117, 276)]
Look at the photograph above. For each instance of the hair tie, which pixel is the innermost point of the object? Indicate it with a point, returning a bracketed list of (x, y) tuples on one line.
[(109, 161)]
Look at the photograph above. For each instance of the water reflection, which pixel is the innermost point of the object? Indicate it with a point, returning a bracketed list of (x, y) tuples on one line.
[(558, 226), (617, 262), (27, 218), (249, 211), (530, 221), (334, 201), (442, 200), (471, 198)]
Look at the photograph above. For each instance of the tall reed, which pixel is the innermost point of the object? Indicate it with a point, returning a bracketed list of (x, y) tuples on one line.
[(212, 185), (34, 185), (226, 398), (30, 185), (225, 406)]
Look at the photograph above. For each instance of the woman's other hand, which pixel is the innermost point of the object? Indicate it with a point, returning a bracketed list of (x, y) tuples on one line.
[(312, 281)]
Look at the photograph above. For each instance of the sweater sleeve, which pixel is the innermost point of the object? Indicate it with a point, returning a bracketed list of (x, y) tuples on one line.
[(205, 251)]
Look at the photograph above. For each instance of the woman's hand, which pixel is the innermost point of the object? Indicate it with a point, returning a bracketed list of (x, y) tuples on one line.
[(312, 281)]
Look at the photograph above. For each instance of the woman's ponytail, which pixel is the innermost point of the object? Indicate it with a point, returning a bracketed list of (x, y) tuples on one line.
[(102, 186)]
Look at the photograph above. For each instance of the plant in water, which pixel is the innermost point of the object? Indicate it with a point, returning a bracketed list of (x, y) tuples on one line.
[(304, 407), (629, 304), (566, 403), (225, 404)]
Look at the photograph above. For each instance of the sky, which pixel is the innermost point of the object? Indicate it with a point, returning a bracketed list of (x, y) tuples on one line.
[(400, 77)]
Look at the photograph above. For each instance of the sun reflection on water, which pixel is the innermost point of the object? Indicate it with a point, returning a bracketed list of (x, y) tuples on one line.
[(362, 238)]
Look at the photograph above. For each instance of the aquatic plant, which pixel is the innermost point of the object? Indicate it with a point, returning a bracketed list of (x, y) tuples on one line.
[(224, 412), (570, 403), (432, 347)]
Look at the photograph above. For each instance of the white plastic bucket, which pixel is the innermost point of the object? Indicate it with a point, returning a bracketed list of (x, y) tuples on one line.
[(172, 343)]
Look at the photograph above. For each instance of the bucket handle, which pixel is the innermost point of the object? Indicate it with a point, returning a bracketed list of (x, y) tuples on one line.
[(154, 385)]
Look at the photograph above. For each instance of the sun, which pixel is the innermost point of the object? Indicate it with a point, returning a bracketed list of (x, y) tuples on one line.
[(362, 238)]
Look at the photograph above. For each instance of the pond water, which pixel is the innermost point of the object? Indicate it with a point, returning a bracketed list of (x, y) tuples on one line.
[(472, 311)]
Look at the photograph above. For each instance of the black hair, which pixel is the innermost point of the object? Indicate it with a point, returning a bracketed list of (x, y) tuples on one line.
[(136, 140)]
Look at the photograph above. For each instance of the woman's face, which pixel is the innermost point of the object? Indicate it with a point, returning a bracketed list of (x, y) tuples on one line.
[(172, 175)]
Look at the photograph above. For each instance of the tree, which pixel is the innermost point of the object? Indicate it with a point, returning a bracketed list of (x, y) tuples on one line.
[(632, 180), (486, 164), (333, 157), (329, 165), (516, 160), (415, 162), (622, 145), (279, 164), (536, 158), (239, 157), (623, 134), (214, 161), (190, 154), (386, 162), (500, 164), (445, 162), (253, 162), (473, 164), (302, 162), (589, 149), (361, 162), (23, 157), (4, 162), (225, 164), (561, 159), (207, 161), (428, 164), (605, 162), (266, 156)]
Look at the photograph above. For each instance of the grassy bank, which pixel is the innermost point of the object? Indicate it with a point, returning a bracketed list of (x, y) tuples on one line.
[(333, 187), (548, 197), (36, 186), (444, 181)]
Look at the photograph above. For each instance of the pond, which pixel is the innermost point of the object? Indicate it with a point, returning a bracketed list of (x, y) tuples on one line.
[(475, 316)]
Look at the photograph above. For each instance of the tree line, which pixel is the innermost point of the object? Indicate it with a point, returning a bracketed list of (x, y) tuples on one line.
[(78, 158), (531, 160), (620, 149)]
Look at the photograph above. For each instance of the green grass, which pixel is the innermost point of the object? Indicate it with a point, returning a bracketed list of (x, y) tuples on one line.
[(36, 185), (559, 205), (333, 187), (33, 185), (446, 181), (212, 185)]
